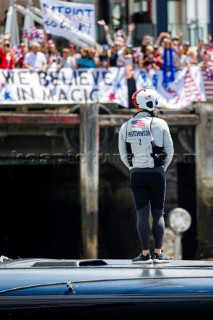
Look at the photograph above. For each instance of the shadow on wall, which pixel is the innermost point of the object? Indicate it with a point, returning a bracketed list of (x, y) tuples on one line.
[(43, 216), (43, 213)]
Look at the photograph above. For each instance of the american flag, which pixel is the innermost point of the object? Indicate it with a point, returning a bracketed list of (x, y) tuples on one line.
[(191, 91), (208, 84), (135, 124), (34, 34)]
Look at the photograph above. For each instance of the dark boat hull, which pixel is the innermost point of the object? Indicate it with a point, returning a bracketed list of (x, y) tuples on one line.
[(114, 290)]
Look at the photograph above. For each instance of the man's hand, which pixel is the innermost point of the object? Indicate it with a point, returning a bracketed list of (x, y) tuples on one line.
[(106, 28), (131, 27)]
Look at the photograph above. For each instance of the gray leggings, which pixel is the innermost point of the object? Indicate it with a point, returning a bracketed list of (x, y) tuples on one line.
[(148, 190)]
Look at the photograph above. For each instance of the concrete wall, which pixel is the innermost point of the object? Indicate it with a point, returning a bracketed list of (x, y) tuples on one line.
[(4, 7)]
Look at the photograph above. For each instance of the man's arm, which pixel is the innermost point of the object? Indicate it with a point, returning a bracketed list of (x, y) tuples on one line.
[(26, 65), (108, 36), (122, 145), (131, 28)]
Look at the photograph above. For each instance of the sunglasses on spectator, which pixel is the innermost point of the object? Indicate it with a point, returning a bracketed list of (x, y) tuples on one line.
[(7, 45)]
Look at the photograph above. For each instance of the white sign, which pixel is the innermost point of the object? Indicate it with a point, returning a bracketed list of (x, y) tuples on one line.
[(69, 85), (20, 86), (73, 21)]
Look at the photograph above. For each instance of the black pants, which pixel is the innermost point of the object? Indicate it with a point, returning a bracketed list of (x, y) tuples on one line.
[(148, 189)]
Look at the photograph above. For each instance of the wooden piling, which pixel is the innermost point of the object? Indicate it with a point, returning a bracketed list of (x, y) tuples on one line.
[(89, 178), (204, 181)]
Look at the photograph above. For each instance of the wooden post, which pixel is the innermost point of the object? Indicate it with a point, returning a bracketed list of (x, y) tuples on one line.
[(204, 181), (89, 178)]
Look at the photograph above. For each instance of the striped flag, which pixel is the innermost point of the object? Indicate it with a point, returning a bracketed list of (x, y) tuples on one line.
[(191, 91), (208, 84)]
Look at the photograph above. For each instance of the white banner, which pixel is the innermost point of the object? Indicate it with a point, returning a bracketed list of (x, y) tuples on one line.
[(73, 21), (21, 86)]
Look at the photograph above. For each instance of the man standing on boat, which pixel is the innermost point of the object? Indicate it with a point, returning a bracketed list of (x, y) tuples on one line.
[(146, 148)]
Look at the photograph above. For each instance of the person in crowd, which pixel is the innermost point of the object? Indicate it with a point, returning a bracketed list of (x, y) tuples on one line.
[(119, 34), (127, 56), (44, 47), (21, 52), (146, 41), (168, 62), (186, 46), (73, 54), (175, 40), (192, 57), (157, 61), (53, 58), (93, 57), (113, 56), (49, 43), (160, 40), (67, 61), (168, 53), (88, 59), (206, 64), (104, 60), (131, 83), (82, 62), (181, 60), (147, 58), (7, 55), (137, 56), (138, 138), (200, 49), (119, 48), (35, 60), (208, 47)]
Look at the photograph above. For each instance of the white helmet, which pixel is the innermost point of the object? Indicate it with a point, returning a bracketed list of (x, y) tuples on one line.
[(146, 99)]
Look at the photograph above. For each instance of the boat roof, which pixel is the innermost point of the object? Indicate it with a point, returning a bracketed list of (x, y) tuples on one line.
[(99, 263), (114, 275)]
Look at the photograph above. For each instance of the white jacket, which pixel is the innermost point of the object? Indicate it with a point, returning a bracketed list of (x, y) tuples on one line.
[(136, 131)]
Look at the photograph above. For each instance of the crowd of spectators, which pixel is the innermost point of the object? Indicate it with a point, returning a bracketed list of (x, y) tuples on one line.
[(167, 52)]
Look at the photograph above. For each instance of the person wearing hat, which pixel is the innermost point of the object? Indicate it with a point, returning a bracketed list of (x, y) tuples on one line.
[(35, 60), (185, 45), (146, 149)]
